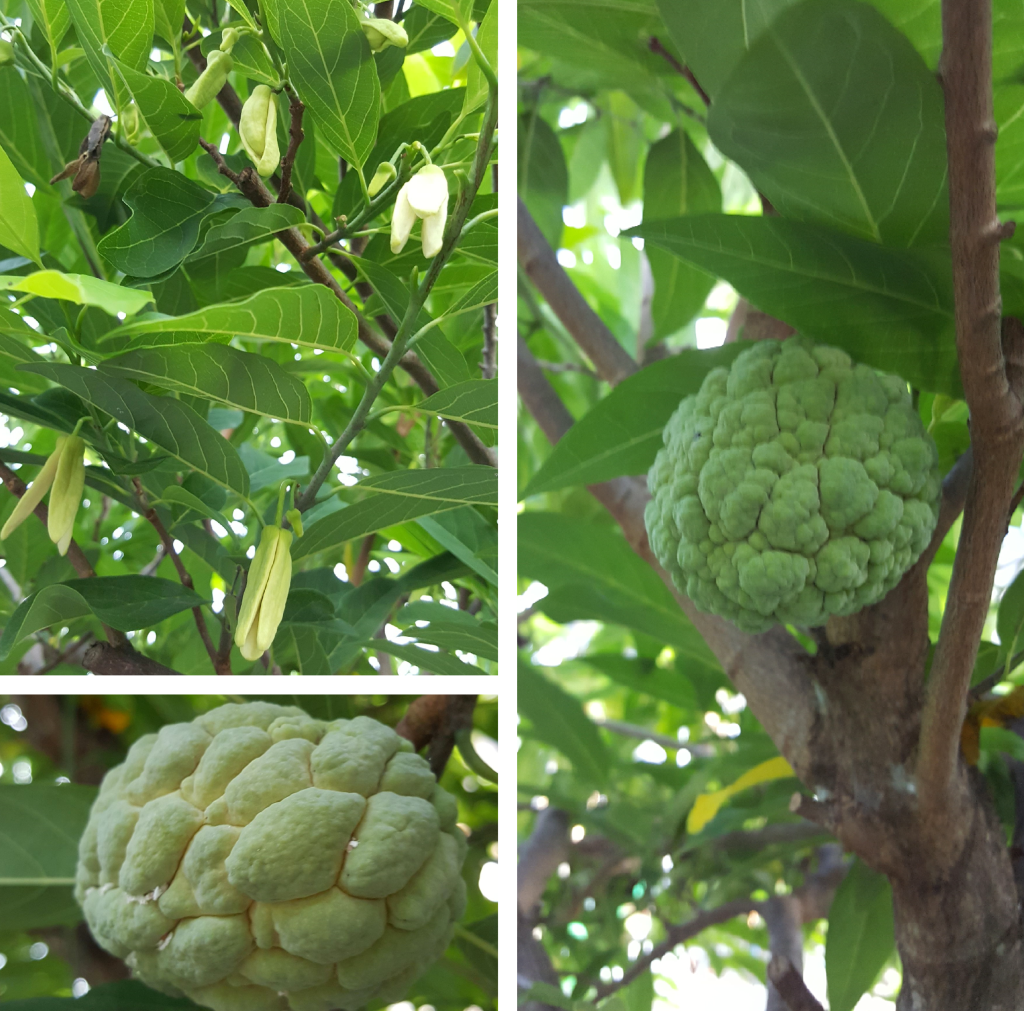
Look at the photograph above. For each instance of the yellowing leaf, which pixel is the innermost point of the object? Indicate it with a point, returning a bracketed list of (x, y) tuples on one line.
[(707, 804)]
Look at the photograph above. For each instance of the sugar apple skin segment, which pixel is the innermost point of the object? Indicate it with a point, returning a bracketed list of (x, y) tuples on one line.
[(795, 485), (258, 859)]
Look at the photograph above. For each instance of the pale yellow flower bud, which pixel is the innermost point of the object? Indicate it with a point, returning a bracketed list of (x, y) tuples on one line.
[(425, 196), (257, 126), (266, 593), (382, 32), (64, 471), (211, 80), (66, 494), (384, 174)]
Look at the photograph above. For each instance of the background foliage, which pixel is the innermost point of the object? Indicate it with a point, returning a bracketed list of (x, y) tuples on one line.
[(813, 189), (173, 315), (45, 946)]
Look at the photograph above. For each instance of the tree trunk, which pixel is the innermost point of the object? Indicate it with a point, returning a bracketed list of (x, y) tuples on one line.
[(959, 936)]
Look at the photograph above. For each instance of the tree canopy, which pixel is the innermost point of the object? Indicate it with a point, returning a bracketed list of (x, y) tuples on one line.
[(201, 284), (694, 176)]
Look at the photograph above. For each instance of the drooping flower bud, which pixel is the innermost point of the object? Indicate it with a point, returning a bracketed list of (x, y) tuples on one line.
[(257, 126), (228, 39), (211, 80), (384, 174), (64, 470), (382, 32), (266, 593), (424, 196)]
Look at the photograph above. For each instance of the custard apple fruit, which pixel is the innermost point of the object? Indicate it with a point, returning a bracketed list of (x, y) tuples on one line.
[(794, 485), (257, 859)]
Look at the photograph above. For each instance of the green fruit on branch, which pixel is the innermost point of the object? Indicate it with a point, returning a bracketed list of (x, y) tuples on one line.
[(257, 859), (793, 486)]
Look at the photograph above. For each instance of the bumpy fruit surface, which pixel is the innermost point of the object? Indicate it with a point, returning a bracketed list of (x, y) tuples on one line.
[(257, 859), (794, 485)]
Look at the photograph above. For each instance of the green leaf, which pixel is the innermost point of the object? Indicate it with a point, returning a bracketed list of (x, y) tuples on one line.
[(897, 304), (172, 119), (614, 439), (40, 824), (398, 497), (474, 401), (677, 181), (176, 495), (52, 605), (169, 423), (82, 289), (836, 119), (308, 315), (123, 602), (427, 660), (169, 16), (19, 128), (19, 227), (713, 35), (218, 372), (443, 7), (487, 36), (860, 935), (481, 293), (543, 177), (332, 68), (468, 536), (481, 639), (592, 573), (167, 210), (53, 19), (124, 995), (121, 28), (558, 720), (624, 144), (128, 603), (249, 226)]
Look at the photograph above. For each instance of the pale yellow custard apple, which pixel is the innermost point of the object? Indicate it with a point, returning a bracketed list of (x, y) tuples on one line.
[(257, 859), (794, 485)]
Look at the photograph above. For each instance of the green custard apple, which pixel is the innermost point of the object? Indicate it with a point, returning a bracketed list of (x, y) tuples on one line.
[(794, 485), (257, 859)]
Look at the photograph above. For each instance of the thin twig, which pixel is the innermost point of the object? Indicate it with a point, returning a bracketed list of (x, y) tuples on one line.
[(541, 266), (295, 135), (997, 431), (489, 358), (655, 46), (150, 514), (677, 934)]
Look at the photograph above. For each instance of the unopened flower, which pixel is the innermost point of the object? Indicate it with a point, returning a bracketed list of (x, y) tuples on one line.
[(382, 32), (424, 196), (384, 174), (266, 593), (211, 80), (64, 470), (257, 126)]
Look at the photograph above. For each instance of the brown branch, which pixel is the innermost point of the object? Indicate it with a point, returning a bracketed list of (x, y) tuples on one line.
[(295, 135), (997, 432), (253, 188), (791, 986), (103, 658), (541, 266), (540, 855), (677, 934), (150, 514), (432, 721), (655, 46)]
